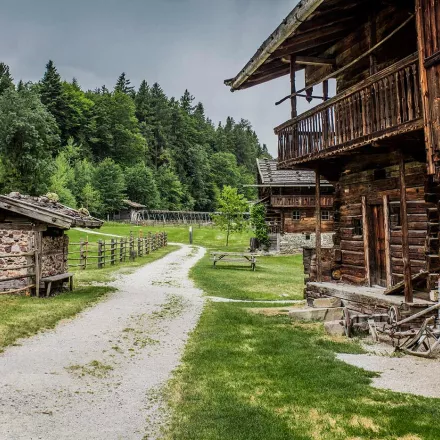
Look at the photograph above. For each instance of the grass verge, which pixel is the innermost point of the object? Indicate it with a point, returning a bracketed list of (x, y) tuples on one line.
[(276, 278), (247, 377)]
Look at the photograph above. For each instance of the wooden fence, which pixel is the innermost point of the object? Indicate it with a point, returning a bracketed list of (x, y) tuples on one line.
[(104, 253)]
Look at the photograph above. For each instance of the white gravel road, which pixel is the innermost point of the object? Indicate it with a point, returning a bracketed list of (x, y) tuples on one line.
[(97, 376)]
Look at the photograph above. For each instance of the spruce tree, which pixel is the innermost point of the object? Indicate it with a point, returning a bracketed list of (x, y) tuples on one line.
[(123, 85), (6, 80)]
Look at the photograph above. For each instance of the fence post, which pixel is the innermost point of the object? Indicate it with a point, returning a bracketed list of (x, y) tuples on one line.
[(132, 247), (112, 252), (166, 238), (139, 245), (121, 250), (100, 265), (82, 264)]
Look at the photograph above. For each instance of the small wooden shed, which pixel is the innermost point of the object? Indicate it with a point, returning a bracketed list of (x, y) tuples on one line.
[(129, 212), (33, 242)]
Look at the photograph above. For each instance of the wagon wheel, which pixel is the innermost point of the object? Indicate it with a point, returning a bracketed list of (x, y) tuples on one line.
[(347, 322), (393, 315)]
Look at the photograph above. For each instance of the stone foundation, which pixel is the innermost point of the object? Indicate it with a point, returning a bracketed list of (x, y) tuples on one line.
[(294, 243), (54, 257)]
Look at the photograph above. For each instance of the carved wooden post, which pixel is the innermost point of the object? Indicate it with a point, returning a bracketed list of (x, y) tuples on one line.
[(386, 219), (405, 242), (318, 226)]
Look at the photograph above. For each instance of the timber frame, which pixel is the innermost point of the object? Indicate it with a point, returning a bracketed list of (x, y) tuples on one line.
[(375, 135)]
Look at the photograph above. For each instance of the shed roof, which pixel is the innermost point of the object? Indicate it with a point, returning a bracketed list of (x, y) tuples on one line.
[(309, 31), (47, 211), (270, 175), (133, 204)]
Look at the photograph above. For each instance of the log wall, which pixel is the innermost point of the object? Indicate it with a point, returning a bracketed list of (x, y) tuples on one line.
[(373, 184)]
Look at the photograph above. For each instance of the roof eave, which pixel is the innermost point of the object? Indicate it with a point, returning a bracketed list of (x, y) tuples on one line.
[(298, 15)]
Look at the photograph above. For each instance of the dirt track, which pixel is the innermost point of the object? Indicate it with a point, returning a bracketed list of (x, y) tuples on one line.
[(97, 376)]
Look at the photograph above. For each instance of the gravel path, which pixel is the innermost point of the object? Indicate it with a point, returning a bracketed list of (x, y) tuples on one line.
[(407, 374), (99, 376)]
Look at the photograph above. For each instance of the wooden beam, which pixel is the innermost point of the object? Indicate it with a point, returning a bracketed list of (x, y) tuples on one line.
[(366, 237), (386, 220), (294, 112), (318, 226), (405, 244), (315, 61)]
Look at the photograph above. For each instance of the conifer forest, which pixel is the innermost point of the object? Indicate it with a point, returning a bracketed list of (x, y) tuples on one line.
[(95, 148)]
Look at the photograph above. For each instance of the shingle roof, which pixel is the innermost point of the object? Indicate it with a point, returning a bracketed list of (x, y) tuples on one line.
[(270, 175), (48, 211), (133, 204)]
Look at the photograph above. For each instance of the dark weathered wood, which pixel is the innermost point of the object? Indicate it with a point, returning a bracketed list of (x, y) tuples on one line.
[(386, 213), (318, 226), (405, 244), (293, 100), (365, 227)]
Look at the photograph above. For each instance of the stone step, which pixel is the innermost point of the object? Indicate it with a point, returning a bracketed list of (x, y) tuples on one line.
[(327, 302), (334, 328), (317, 314)]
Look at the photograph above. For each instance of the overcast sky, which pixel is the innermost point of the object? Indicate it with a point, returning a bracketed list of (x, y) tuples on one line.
[(194, 44)]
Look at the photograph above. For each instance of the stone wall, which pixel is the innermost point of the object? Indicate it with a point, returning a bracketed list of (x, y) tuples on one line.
[(15, 239), (54, 256), (293, 243)]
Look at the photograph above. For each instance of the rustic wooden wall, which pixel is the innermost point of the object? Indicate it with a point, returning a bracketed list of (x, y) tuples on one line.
[(374, 184)]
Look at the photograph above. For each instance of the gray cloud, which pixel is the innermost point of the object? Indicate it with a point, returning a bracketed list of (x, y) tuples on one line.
[(193, 44)]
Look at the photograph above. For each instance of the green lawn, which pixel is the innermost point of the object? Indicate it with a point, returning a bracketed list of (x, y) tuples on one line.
[(206, 236), (253, 377), (275, 278)]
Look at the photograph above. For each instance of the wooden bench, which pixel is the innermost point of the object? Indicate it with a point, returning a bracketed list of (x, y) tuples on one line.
[(63, 276), (234, 257)]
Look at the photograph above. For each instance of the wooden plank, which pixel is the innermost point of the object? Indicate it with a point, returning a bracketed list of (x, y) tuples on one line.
[(386, 215), (366, 238), (405, 245), (318, 226), (293, 100)]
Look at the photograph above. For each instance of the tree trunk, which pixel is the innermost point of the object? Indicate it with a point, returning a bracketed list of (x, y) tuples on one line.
[(227, 235)]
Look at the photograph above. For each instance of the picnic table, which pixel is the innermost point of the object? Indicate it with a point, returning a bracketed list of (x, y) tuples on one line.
[(242, 257)]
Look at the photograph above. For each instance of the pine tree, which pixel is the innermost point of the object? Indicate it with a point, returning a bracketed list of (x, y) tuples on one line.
[(52, 96), (123, 85), (6, 80)]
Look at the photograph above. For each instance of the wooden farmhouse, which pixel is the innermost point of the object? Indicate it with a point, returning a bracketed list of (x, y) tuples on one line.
[(371, 70), (289, 197), (130, 212), (33, 242)]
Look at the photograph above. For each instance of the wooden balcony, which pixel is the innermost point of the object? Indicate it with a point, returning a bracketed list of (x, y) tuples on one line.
[(300, 201), (386, 104)]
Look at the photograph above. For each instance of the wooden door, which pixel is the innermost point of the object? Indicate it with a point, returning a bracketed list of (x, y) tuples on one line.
[(428, 29), (378, 274)]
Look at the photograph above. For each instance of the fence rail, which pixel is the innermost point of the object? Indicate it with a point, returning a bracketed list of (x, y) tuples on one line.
[(104, 253), (386, 103)]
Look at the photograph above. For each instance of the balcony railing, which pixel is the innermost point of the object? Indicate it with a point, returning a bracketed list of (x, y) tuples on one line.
[(300, 201), (386, 104)]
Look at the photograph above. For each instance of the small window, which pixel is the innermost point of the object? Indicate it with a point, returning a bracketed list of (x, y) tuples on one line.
[(325, 215), (307, 236), (357, 226), (395, 218), (296, 215)]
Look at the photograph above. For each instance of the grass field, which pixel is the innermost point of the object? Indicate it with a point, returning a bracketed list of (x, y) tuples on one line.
[(206, 236), (275, 278), (253, 377)]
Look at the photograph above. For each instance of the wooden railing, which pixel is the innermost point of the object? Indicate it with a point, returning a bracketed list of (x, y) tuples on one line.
[(300, 201), (385, 104)]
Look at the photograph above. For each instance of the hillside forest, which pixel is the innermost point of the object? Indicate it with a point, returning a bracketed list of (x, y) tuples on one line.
[(95, 148)]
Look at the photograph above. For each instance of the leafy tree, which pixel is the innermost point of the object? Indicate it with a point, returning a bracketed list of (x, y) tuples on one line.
[(258, 222), (170, 189), (63, 180), (6, 81), (91, 199), (28, 138), (110, 183), (232, 207), (141, 186)]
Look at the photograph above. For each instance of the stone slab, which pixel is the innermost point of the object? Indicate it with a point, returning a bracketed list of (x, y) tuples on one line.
[(334, 328), (327, 302), (315, 314)]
